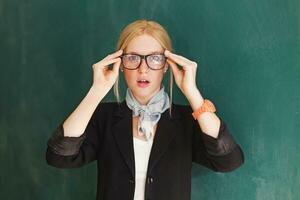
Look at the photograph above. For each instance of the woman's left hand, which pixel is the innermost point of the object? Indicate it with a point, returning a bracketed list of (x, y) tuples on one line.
[(185, 78)]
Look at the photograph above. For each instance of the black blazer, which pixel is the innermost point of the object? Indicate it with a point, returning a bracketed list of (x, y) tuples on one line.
[(178, 142)]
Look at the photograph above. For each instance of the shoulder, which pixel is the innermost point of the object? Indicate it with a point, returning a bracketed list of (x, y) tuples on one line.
[(182, 108), (184, 111), (107, 107)]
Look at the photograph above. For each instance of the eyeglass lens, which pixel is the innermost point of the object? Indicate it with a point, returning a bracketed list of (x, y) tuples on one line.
[(155, 61)]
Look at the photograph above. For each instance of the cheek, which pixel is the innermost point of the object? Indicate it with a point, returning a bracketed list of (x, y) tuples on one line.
[(159, 76), (129, 77)]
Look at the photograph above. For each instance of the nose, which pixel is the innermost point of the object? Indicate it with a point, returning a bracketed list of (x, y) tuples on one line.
[(143, 67)]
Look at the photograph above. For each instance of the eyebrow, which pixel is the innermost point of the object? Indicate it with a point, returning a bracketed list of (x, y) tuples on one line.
[(153, 52)]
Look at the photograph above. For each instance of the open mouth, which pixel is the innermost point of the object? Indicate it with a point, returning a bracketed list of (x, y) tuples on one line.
[(143, 83)]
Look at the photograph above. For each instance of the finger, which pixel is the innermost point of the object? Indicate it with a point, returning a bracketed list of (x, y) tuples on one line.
[(174, 67), (114, 55), (105, 63), (178, 56), (116, 66), (178, 59)]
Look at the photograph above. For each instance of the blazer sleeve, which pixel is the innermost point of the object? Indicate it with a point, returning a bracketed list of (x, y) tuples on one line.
[(221, 154), (73, 152)]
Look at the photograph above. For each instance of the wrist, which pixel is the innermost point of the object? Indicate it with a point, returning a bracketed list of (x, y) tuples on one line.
[(97, 92), (195, 99)]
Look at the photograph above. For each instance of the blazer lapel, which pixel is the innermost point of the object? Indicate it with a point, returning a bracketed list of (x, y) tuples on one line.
[(166, 130), (122, 131)]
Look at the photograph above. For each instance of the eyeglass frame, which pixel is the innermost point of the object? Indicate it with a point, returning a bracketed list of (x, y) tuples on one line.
[(145, 58)]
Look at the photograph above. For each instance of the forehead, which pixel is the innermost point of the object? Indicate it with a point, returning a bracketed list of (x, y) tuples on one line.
[(143, 44)]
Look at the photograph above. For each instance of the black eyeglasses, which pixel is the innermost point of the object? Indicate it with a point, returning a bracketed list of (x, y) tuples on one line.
[(133, 61)]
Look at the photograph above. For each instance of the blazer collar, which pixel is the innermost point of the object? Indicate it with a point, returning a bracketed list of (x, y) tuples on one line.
[(167, 128)]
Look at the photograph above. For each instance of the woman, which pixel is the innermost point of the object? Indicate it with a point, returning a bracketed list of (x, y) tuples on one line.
[(145, 145)]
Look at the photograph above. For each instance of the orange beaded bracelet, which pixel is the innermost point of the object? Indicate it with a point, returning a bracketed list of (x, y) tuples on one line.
[(207, 106)]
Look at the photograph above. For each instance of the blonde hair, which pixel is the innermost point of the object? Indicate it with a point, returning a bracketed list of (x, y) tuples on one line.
[(152, 28)]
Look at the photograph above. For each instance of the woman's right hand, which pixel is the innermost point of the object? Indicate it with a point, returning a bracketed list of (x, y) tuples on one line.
[(103, 77)]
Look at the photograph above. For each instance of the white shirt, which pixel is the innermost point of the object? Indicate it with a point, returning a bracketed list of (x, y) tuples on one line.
[(142, 151)]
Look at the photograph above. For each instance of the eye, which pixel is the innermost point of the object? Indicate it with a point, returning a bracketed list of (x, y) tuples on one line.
[(156, 58), (133, 58)]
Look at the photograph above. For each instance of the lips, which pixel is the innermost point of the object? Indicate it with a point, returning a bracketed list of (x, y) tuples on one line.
[(143, 82)]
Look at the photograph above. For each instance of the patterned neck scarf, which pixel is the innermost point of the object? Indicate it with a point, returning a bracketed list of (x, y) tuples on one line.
[(148, 114)]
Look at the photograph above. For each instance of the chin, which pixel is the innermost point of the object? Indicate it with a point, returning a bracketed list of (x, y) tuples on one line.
[(143, 92)]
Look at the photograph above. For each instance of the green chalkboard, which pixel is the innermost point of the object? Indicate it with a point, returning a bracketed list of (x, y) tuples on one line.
[(248, 55)]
